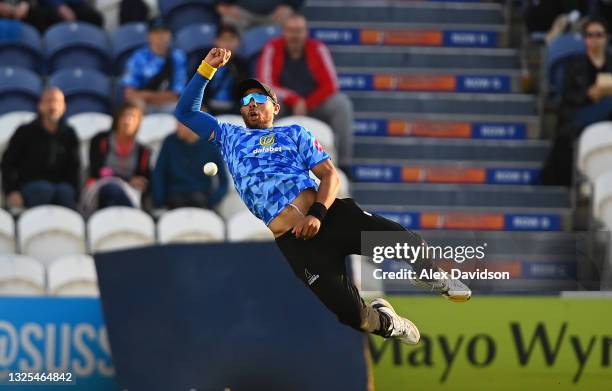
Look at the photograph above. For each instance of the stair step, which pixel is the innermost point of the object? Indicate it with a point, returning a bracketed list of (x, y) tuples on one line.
[(443, 103), (363, 33), (491, 219), (442, 195), (405, 12), (439, 126), (444, 80), (462, 150), (424, 57)]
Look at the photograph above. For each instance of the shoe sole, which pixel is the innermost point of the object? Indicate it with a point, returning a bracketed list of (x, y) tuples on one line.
[(385, 303), (458, 298)]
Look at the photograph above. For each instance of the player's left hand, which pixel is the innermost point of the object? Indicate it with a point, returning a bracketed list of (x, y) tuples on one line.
[(306, 228)]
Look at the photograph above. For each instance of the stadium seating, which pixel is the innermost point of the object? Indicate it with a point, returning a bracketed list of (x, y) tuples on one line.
[(231, 204), (9, 122), (602, 199), (20, 45), (595, 150), (72, 44), (86, 90), (7, 233), (190, 225), (194, 40), (254, 39), (319, 129), (119, 227), (124, 41), (73, 275), (558, 53), (243, 226), (19, 89), (86, 125), (153, 130), (181, 13), (21, 275), (48, 232)]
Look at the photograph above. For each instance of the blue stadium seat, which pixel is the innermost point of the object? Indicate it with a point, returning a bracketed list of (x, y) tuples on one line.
[(125, 40), (255, 39), (558, 54), (86, 90), (76, 44), (181, 13), (20, 45), (193, 40), (19, 89)]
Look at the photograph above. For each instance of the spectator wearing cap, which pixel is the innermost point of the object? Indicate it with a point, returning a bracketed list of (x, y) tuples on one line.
[(244, 14), (155, 75), (41, 164), (302, 72), (178, 180), (220, 96)]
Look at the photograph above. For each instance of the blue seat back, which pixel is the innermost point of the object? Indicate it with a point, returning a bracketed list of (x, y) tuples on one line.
[(254, 39), (193, 40), (85, 90), (20, 89), (125, 40), (76, 43), (20, 45)]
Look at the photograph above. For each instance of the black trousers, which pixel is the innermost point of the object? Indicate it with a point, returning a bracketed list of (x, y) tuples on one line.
[(320, 262)]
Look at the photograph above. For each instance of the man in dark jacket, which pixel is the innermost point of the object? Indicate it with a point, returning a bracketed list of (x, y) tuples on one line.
[(41, 164)]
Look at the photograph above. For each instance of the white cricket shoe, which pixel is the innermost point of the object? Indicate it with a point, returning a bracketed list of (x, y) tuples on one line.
[(400, 328), (450, 288)]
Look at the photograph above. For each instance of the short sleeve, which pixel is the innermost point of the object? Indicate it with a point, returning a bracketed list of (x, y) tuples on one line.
[(131, 75), (310, 149), (180, 71)]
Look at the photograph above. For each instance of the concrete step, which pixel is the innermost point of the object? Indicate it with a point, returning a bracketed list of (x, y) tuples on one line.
[(443, 103)]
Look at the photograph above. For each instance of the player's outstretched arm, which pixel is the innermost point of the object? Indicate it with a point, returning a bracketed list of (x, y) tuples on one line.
[(188, 106)]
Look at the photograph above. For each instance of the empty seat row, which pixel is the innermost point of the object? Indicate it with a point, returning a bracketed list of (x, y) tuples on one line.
[(72, 275), (86, 90), (69, 43), (49, 232)]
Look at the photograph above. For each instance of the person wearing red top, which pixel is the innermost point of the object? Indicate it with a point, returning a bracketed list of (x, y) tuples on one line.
[(302, 72)]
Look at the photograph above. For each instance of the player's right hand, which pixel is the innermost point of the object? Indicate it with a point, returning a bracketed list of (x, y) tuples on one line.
[(218, 57)]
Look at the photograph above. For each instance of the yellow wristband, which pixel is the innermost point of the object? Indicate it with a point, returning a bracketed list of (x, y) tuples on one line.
[(206, 70)]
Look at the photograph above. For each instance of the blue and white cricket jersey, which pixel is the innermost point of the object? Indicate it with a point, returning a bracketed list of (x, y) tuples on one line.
[(270, 167)]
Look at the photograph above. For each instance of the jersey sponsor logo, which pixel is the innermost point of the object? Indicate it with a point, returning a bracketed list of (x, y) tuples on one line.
[(266, 140)]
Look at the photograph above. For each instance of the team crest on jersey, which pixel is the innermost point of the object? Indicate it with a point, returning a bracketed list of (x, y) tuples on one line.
[(268, 139)]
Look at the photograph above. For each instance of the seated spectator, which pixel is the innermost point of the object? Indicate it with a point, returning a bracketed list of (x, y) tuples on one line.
[(584, 101), (178, 180), (302, 72), (133, 11), (155, 75), (582, 97), (118, 164), (220, 96), (244, 14), (26, 12), (41, 164), (72, 10)]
